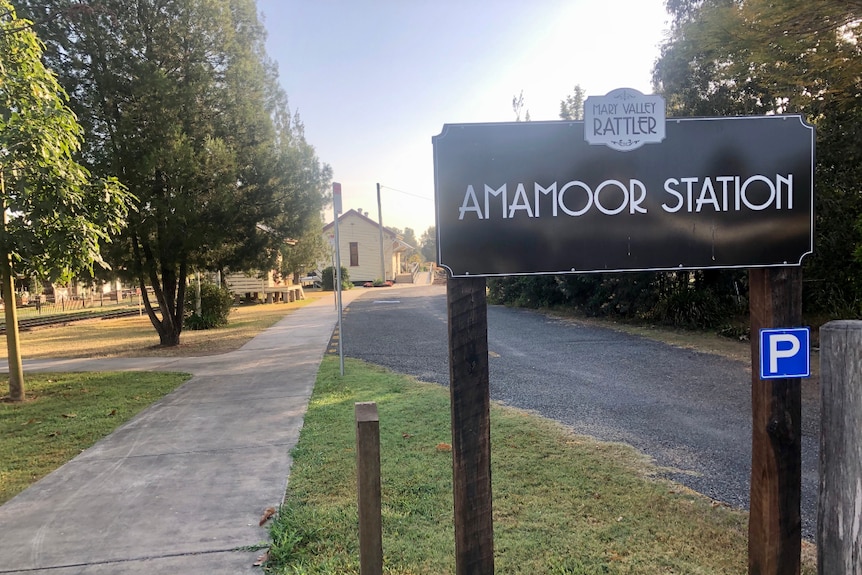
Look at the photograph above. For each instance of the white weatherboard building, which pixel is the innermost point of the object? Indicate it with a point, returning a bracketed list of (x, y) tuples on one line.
[(359, 237)]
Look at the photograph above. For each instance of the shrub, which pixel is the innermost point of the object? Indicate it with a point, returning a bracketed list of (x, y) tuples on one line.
[(216, 305), (327, 282), (691, 308), (524, 291)]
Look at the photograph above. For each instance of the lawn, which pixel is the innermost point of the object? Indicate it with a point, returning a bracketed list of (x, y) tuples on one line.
[(136, 336), (65, 413), (563, 504)]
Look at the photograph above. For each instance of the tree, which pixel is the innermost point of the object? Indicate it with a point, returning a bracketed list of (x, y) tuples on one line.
[(770, 57), (738, 57), (56, 217), (413, 254), (306, 253), (179, 98), (428, 243), (408, 236), (755, 57), (572, 108), (518, 105)]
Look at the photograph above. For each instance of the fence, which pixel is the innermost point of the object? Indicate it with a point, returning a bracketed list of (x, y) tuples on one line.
[(36, 308)]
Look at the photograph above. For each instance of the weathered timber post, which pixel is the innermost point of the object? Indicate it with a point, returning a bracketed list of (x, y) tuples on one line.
[(775, 525), (368, 488), (471, 426), (839, 508)]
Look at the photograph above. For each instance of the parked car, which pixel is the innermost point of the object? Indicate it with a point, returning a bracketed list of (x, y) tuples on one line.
[(312, 280)]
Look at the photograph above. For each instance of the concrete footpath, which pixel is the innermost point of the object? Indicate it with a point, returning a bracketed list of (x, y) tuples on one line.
[(181, 487)]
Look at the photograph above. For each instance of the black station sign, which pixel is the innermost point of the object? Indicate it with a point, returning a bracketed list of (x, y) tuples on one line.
[(536, 198)]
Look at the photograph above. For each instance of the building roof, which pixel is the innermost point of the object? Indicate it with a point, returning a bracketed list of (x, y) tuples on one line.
[(402, 245), (362, 216)]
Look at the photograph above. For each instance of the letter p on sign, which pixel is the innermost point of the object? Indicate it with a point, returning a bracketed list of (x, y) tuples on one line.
[(784, 353)]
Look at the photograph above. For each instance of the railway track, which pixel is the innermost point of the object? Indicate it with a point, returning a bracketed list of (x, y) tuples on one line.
[(53, 320)]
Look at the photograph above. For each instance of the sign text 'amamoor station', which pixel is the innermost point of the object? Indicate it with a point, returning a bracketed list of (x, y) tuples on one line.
[(570, 197), (628, 190)]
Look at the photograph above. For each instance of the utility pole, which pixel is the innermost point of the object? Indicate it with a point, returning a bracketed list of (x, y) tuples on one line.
[(380, 222)]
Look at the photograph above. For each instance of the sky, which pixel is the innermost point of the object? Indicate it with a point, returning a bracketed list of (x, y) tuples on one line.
[(374, 80)]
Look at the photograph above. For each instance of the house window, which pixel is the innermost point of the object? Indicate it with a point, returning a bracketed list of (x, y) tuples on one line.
[(354, 254)]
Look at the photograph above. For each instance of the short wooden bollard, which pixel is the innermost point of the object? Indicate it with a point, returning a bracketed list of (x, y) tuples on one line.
[(839, 509), (368, 488)]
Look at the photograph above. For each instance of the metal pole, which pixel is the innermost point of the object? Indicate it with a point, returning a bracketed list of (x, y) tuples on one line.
[(338, 295), (380, 220), (334, 291)]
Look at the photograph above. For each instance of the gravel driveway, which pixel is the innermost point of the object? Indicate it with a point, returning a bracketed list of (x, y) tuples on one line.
[(689, 411)]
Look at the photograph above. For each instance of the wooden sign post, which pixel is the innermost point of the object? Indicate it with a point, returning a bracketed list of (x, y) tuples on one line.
[(471, 425), (542, 198), (774, 524)]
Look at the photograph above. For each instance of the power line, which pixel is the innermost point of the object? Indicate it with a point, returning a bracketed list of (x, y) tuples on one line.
[(408, 193)]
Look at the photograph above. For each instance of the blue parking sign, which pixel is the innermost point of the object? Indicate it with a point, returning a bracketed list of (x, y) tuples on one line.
[(784, 353)]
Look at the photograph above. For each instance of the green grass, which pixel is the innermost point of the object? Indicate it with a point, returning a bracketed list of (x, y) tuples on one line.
[(65, 414), (136, 336), (563, 504)]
